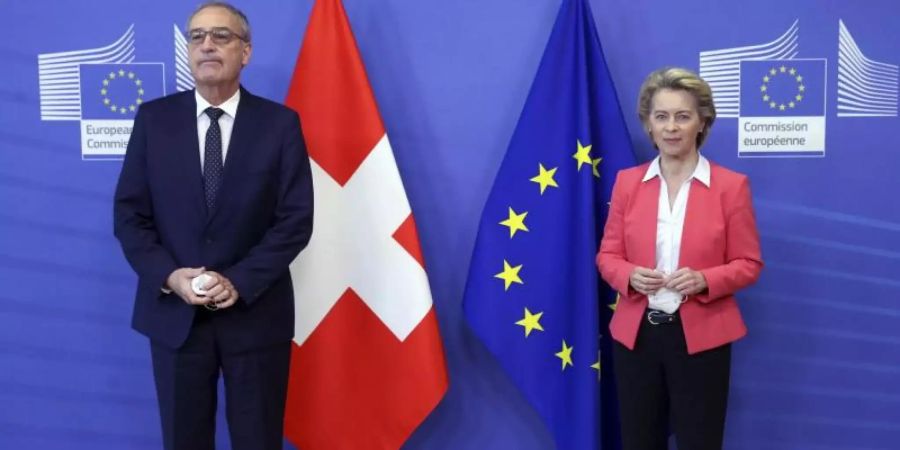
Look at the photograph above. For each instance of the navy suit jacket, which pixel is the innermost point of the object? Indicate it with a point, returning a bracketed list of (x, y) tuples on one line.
[(262, 220)]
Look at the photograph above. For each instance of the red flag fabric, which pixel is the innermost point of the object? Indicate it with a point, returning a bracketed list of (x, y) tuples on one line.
[(368, 364)]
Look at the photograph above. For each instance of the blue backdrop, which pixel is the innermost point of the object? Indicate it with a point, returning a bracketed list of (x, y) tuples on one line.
[(818, 369)]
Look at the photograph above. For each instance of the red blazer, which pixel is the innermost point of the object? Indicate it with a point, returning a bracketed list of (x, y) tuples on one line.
[(719, 239)]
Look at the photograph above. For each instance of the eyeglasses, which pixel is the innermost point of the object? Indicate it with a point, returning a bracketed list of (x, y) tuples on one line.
[(219, 36)]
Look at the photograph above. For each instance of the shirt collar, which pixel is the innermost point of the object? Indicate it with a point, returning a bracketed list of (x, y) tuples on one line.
[(701, 172), (229, 106)]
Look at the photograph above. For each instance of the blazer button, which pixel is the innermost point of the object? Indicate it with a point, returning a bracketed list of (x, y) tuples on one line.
[(209, 240)]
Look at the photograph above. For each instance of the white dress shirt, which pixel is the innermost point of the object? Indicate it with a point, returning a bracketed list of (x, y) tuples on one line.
[(226, 122), (669, 225)]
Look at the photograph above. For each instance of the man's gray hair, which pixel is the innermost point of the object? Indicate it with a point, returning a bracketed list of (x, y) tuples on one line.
[(241, 17)]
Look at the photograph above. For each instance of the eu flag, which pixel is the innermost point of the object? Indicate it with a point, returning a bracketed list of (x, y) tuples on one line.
[(533, 294), (783, 87), (115, 91)]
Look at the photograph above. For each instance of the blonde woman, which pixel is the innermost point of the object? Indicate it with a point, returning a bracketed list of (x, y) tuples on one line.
[(679, 242)]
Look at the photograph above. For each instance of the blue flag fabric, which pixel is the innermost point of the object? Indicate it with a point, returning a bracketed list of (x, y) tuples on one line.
[(534, 295)]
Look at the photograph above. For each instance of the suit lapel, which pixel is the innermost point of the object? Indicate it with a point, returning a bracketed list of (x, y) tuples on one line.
[(188, 153), (695, 218), (646, 210)]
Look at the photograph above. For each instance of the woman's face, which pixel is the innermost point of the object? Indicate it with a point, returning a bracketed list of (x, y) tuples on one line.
[(674, 122)]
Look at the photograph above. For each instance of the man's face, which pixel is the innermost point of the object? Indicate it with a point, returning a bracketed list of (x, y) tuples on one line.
[(216, 63)]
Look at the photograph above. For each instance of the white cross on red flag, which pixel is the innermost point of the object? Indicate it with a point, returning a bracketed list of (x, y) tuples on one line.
[(368, 364)]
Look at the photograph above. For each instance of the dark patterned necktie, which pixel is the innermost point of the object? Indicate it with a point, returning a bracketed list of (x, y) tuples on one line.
[(212, 158)]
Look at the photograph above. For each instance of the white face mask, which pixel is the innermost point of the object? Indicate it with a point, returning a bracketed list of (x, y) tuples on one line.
[(666, 300)]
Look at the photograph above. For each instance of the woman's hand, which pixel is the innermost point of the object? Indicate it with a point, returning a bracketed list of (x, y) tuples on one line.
[(646, 281), (687, 281)]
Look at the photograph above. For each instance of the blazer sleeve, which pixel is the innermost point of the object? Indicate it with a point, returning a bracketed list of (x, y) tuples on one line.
[(133, 223), (291, 230), (611, 258), (743, 258)]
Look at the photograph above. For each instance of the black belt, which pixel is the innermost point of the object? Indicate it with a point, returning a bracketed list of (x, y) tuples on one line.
[(656, 317)]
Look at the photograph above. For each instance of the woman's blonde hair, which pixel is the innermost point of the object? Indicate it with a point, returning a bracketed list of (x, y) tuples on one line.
[(679, 79)]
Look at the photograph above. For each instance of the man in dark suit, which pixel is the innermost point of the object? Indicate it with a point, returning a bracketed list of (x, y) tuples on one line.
[(216, 182)]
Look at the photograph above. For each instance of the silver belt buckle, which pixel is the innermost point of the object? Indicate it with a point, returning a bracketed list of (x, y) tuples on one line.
[(650, 316)]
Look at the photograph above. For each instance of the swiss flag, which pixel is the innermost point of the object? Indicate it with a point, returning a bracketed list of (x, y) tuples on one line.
[(368, 363)]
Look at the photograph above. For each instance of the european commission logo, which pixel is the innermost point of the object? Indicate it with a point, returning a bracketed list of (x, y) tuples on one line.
[(102, 88), (782, 108), (780, 100), (110, 97)]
